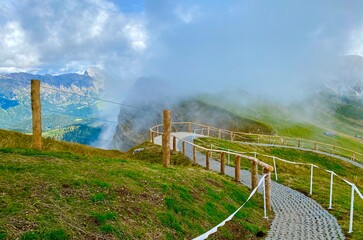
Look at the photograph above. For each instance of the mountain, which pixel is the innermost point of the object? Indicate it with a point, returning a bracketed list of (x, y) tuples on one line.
[(337, 107), (67, 100), (151, 96)]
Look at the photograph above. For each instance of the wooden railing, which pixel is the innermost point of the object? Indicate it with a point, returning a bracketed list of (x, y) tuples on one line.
[(255, 162), (261, 139), (188, 127)]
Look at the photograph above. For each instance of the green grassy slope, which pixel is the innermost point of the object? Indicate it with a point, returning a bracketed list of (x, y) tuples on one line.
[(307, 121), (70, 191), (298, 177)]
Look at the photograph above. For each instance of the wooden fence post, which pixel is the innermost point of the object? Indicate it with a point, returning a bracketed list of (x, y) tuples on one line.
[(267, 188), (237, 169), (36, 113), (231, 136), (223, 160), (174, 143), (189, 127), (208, 131), (183, 146), (166, 138), (207, 160), (254, 174), (219, 133), (150, 135), (194, 155)]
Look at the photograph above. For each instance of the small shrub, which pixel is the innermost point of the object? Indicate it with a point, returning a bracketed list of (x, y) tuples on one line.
[(99, 197), (2, 234), (100, 218), (107, 228), (169, 220), (56, 235), (29, 236)]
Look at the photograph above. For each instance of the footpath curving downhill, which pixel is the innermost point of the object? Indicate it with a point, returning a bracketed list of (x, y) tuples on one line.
[(296, 215)]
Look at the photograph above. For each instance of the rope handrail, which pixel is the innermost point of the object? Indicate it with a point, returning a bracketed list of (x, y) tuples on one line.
[(312, 166), (233, 135), (254, 160), (262, 164), (309, 164), (305, 140), (215, 229)]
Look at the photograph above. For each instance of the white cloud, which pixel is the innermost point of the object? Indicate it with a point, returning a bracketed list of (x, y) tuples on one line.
[(16, 52), (136, 36), (54, 35), (355, 42), (187, 13)]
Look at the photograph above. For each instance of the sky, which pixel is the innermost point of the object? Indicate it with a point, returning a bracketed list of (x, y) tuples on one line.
[(272, 47)]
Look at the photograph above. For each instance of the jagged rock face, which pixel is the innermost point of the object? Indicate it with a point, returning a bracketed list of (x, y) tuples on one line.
[(152, 96)]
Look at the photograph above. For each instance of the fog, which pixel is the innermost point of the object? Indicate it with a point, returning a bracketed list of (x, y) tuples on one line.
[(278, 50)]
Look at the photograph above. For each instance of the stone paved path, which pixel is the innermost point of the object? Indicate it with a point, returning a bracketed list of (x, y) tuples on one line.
[(296, 215)]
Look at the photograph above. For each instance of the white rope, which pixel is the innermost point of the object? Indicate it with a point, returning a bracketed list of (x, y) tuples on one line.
[(215, 229), (359, 193), (312, 166)]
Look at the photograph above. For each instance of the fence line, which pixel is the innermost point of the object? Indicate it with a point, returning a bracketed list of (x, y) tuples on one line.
[(155, 131), (312, 166), (82, 95), (254, 163), (269, 139)]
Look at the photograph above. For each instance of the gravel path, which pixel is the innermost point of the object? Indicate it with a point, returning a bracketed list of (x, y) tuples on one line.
[(296, 215)]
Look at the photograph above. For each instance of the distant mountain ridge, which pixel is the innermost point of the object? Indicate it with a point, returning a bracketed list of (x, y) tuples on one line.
[(67, 100)]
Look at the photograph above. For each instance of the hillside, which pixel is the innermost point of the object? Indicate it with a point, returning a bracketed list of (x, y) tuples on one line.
[(73, 191), (325, 117)]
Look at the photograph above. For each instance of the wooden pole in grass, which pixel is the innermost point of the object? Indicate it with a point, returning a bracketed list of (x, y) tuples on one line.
[(207, 160), (254, 174), (36, 113), (237, 169), (267, 188), (223, 162), (166, 138), (174, 143), (194, 155)]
